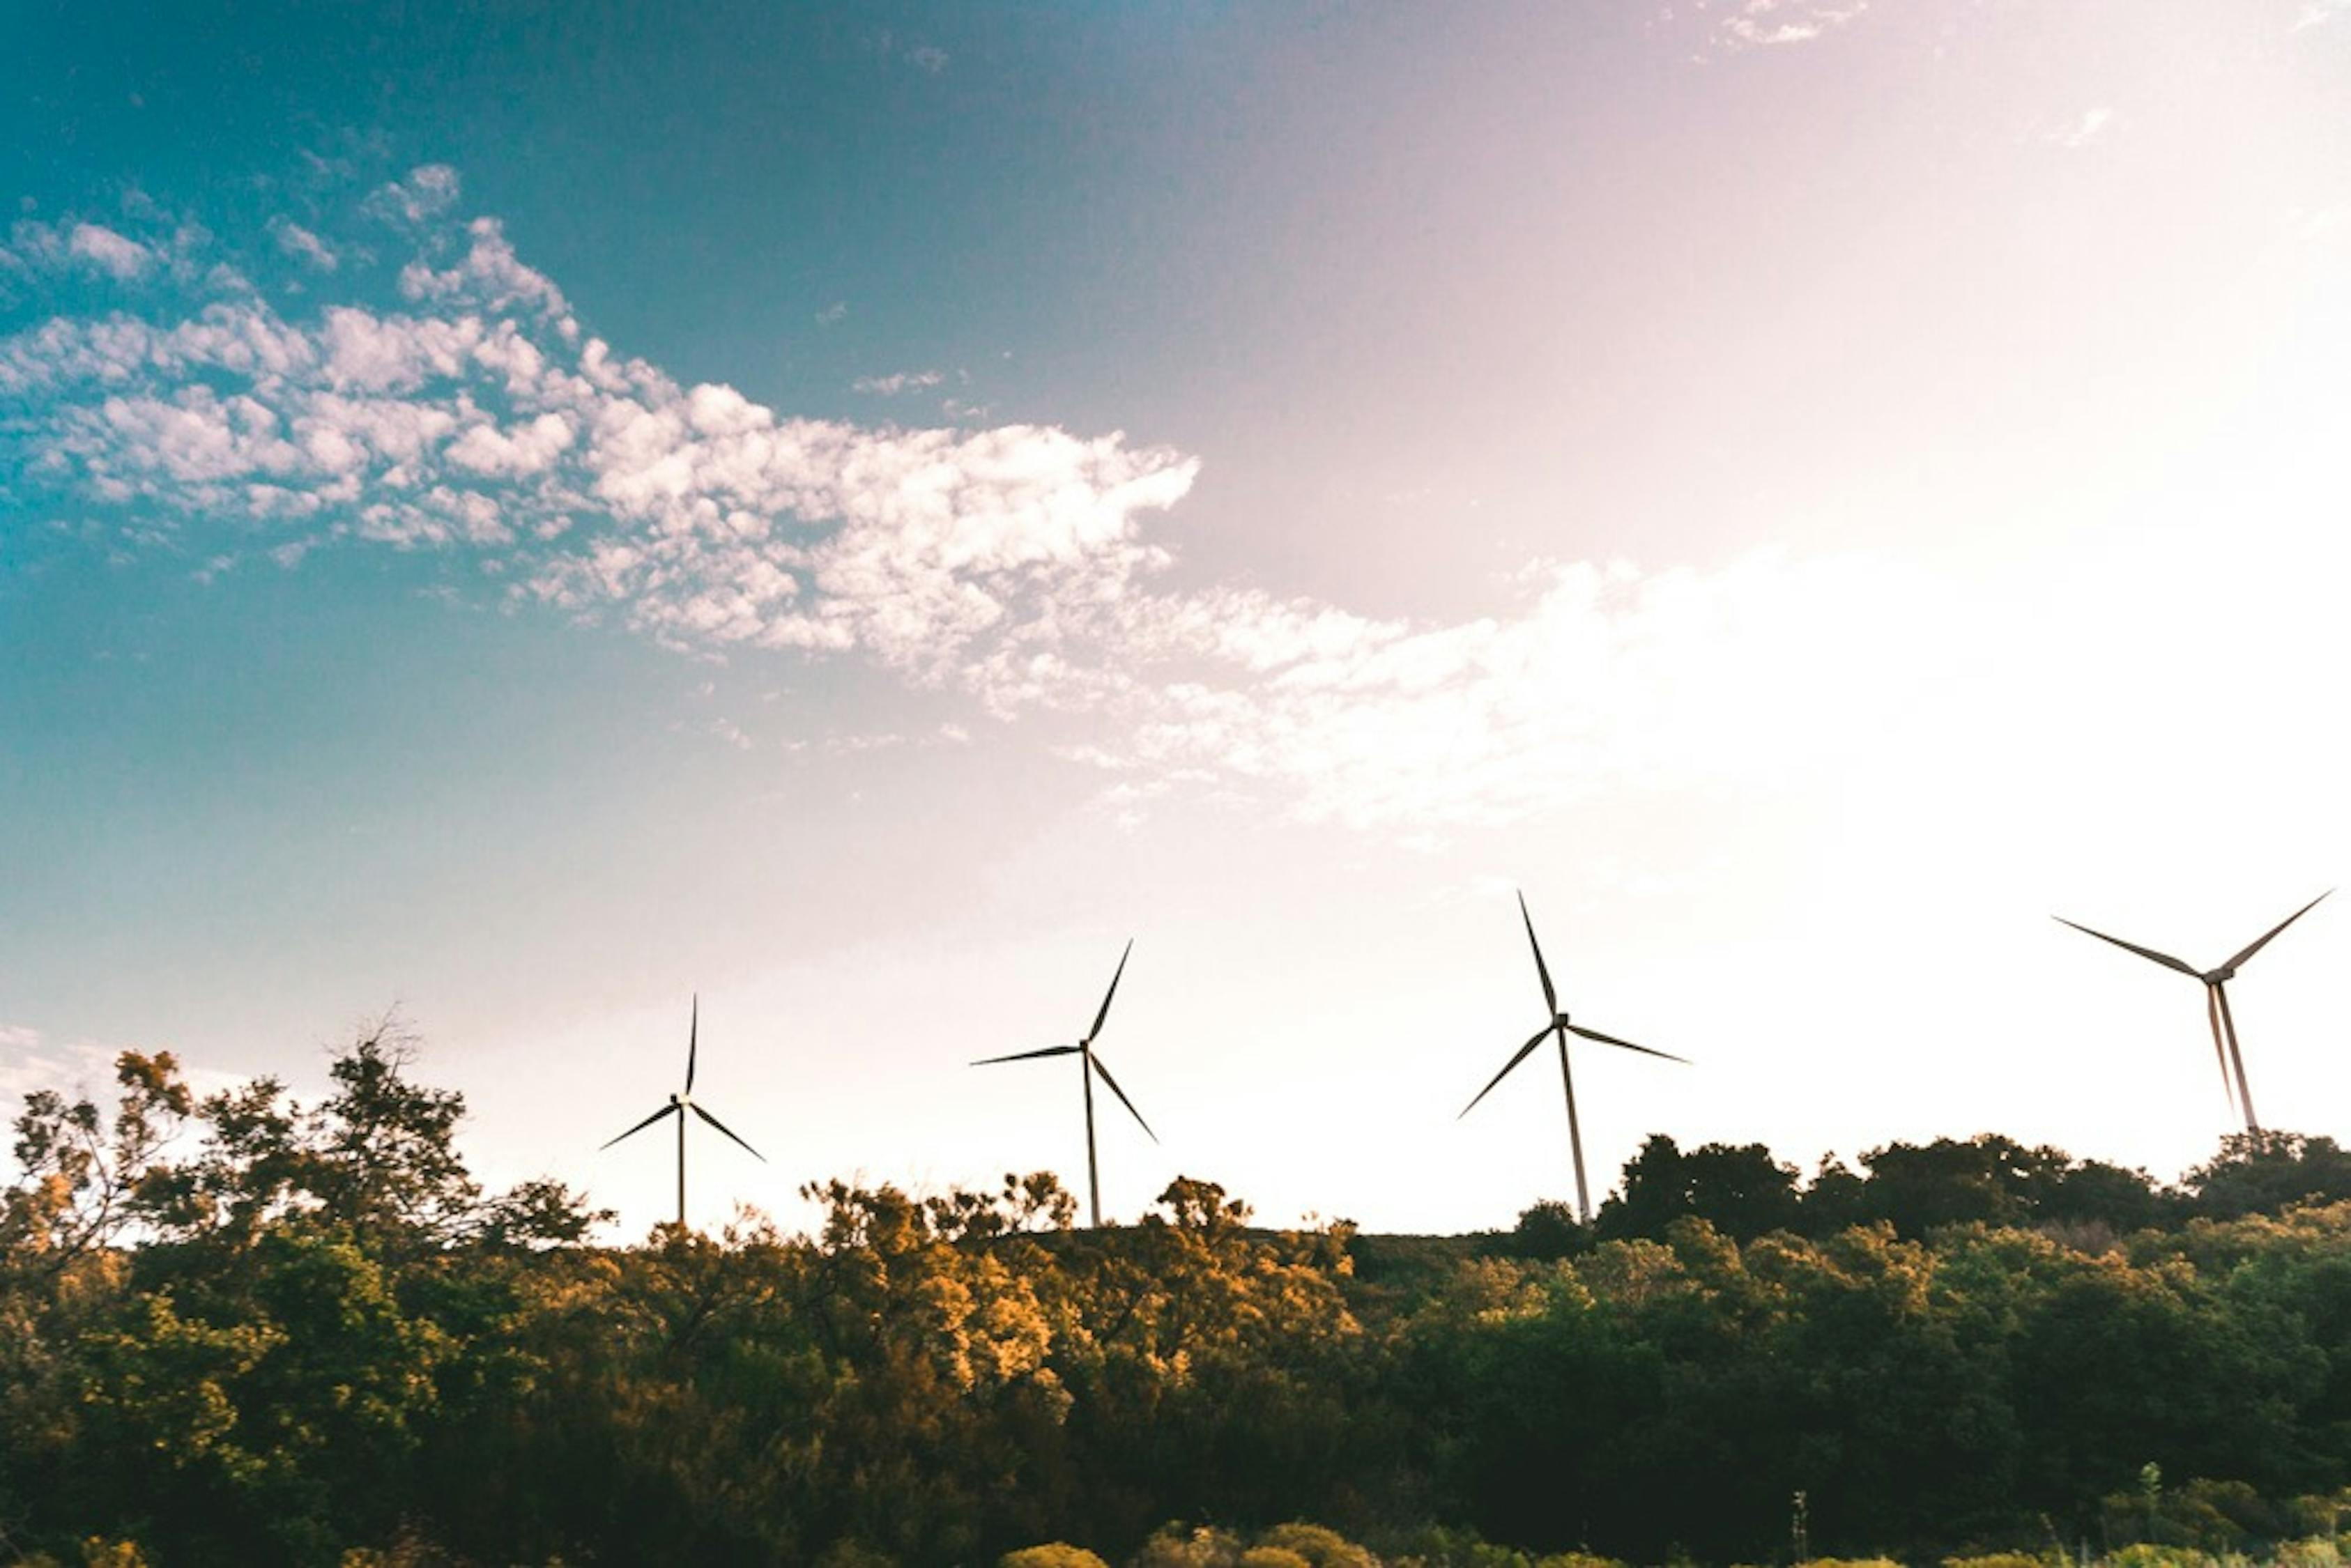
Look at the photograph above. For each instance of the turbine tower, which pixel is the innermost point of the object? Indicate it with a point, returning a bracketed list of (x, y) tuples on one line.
[(679, 1104), (1089, 1064), (1560, 1026), (2225, 1049)]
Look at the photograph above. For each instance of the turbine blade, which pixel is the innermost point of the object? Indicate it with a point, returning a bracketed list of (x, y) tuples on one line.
[(1628, 1045), (2264, 940), (693, 1034), (2166, 959), (638, 1128), (729, 1132), (1027, 1055), (1551, 997), (1112, 992), (2220, 1044), (1123, 1100), (1524, 1051)]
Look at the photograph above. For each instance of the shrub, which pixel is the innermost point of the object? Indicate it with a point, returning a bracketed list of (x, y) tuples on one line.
[(1054, 1554), (2143, 1554), (1172, 1546), (2317, 1551), (1272, 1557), (1314, 1546)]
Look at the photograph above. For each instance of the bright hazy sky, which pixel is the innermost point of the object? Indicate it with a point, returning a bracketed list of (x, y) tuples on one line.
[(531, 517)]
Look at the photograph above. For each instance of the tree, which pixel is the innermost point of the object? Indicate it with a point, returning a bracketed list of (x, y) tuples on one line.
[(1739, 1189), (2263, 1173)]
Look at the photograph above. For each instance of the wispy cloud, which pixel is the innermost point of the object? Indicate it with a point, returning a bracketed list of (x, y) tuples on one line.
[(928, 59), (1598, 678), (2082, 129), (1740, 25), (898, 383), (450, 401), (428, 192), (296, 241)]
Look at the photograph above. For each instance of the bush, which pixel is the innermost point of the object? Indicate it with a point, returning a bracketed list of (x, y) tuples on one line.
[(2142, 1555), (1055, 1555), (1272, 1557), (1433, 1546), (1313, 1546), (2318, 1551), (1172, 1546)]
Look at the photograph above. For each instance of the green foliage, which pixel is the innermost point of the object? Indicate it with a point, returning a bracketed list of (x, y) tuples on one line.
[(1739, 1190), (1175, 1546), (2145, 1554), (306, 1333), (1056, 1555), (1316, 1546)]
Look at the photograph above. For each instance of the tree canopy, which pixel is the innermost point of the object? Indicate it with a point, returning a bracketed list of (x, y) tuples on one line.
[(247, 1329)]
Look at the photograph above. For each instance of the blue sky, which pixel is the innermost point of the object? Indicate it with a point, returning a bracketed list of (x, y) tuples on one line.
[(527, 518)]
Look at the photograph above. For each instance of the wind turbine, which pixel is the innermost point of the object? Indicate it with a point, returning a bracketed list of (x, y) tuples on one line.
[(679, 1104), (1089, 1064), (1560, 1026), (2225, 1049)]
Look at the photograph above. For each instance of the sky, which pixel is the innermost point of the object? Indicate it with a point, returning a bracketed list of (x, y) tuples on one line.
[(530, 519)]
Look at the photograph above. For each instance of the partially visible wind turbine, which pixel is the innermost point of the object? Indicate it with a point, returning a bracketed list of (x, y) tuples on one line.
[(1560, 1026), (1089, 1064), (679, 1104), (2225, 1049)]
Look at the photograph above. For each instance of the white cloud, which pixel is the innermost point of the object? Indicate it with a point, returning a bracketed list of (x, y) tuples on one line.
[(1011, 563), (1610, 678), (109, 251), (2083, 129), (298, 242), (429, 191), (38, 252), (899, 382), (1765, 24), (530, 448), (490, 277)]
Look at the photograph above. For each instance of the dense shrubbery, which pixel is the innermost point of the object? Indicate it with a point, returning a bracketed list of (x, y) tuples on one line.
[(312, 1337)]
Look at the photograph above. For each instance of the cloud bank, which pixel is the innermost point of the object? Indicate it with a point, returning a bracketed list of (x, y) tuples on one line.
[(448, 399)]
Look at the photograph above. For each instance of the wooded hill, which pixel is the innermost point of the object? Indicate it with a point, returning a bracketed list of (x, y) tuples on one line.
[(294, 1332)]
